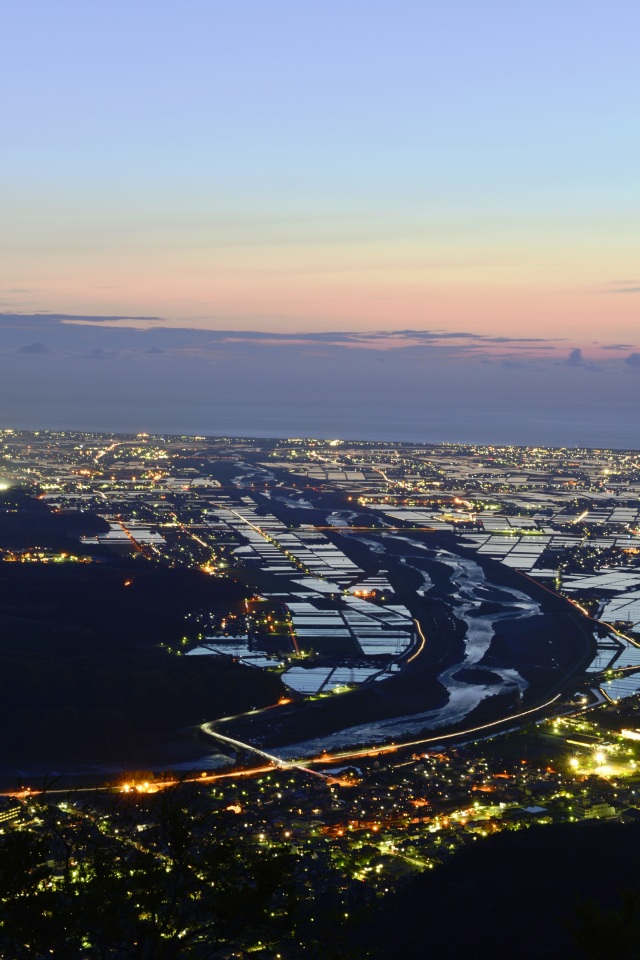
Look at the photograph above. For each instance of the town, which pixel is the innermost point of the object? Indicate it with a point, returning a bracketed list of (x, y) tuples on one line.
[(400, 599)]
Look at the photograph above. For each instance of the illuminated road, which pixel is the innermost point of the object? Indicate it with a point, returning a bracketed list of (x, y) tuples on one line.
[(239, 745), (394, 747), (181, 526), (583, 610), (131, 537), (277, 763), (327, 757), (421, 645)]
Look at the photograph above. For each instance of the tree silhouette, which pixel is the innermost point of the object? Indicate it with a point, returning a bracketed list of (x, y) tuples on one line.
[(92, 882)]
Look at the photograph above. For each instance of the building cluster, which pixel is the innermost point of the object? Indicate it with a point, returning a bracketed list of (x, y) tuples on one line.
[(298, 523), (385, 817)]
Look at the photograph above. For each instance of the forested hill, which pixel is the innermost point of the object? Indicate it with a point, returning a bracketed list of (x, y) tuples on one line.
[(84, 675)]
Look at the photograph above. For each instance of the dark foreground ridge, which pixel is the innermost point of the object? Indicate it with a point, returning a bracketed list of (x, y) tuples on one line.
[(561, 891)]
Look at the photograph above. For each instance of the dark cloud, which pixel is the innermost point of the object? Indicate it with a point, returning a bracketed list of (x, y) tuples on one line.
[(48, 320), (377, 339), (575, 358), (35, 349), (85, 337), (66, 320), (428, 384), (451, 335), (70, 317), (98, 353), (616, 346)]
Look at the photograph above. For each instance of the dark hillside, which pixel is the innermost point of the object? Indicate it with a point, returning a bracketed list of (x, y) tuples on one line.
[(83, 675), (528, 894), (26, 522)]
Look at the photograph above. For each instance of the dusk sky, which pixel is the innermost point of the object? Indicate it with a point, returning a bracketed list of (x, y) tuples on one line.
[(450, 191)]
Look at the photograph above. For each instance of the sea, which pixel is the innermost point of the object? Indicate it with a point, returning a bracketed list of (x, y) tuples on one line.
[(580, 425)]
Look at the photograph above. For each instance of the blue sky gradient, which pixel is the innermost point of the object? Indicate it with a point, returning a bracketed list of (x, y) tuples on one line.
[(314, 167)]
